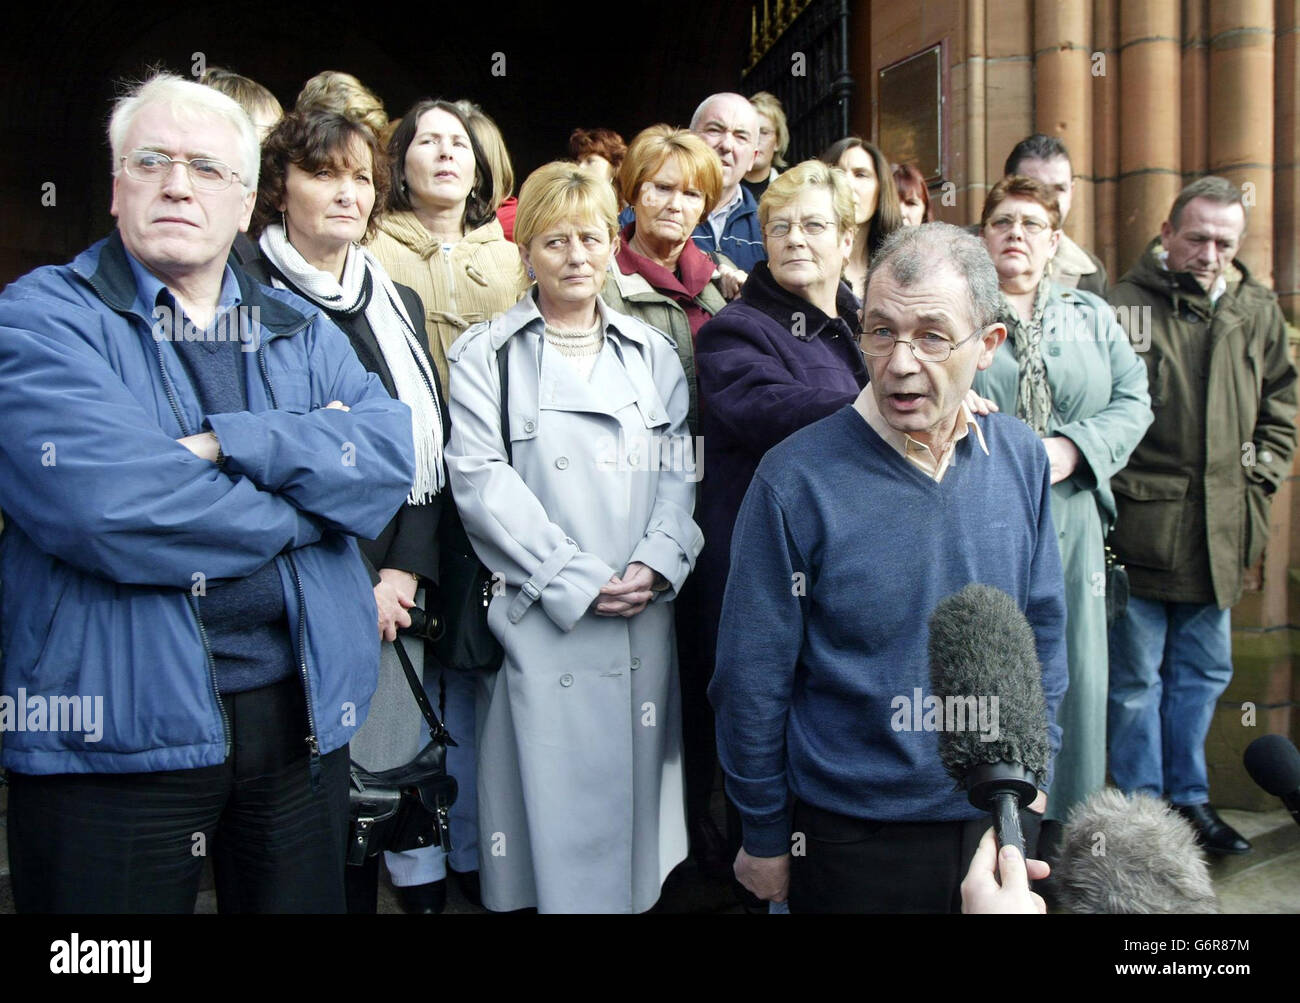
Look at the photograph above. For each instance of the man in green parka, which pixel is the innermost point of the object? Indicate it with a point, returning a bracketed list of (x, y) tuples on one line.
[(1193, 501)]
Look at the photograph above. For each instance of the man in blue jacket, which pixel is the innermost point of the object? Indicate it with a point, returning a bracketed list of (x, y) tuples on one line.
[(729, 124), (189, 633), (852, 532)]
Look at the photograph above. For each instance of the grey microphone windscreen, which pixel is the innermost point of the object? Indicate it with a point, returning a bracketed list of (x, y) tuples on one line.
[(982, 648), (1131, 855)]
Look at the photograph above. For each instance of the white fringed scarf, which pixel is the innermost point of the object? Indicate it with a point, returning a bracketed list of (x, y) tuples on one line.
[(412, 374)]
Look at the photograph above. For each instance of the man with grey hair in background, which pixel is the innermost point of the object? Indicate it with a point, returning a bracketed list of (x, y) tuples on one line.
[(1194, 499), (729, 124), (852, 532), (188, 459)]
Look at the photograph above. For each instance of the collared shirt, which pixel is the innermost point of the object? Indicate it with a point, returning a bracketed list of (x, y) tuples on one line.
[(150, 286), (916, 452), (718, 218)]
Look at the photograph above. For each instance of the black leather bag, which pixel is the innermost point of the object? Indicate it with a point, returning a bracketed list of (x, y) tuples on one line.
[(1116, 588), (406, 807), (461, 640)]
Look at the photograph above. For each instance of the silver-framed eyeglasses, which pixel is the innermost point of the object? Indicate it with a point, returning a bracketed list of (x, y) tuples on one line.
[(1030, 224), (205, 173), (929, 347), (810, 227)]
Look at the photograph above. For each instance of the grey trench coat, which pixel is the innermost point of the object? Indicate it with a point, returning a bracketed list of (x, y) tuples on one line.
[(579, 735)]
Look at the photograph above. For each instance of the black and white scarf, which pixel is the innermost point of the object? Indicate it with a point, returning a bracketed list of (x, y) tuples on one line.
[(412, 374)]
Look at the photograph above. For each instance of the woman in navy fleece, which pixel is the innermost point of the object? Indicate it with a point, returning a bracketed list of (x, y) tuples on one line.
[(781, 356)]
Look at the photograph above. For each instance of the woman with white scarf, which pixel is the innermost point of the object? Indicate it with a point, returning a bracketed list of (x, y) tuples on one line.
[(322, 176)]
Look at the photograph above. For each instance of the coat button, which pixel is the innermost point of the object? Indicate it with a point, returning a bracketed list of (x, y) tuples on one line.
[(636, 664), (1265, 456), (1053, 349), (529, 425), (654, 416), (562, 463), (566, 680)]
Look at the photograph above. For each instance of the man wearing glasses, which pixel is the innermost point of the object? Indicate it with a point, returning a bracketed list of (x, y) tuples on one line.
[(852, 531), (186, 460)]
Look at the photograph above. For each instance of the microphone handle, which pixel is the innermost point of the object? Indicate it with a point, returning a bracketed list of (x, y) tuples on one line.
[(1291, 802), (1006, 821)]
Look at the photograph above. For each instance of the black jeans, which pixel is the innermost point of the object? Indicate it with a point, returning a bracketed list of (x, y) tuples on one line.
[(135, 842), (857, 865)]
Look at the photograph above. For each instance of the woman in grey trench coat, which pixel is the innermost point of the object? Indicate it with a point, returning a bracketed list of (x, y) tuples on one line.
[(579, 734), (1067, 369)]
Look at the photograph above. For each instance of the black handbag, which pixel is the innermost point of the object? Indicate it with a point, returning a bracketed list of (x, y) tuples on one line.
[(1116, 587), (461, 640), (406, 807)]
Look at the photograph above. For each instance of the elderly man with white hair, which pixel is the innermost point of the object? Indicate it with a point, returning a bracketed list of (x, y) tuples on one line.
[(729, 124), (187, 460)]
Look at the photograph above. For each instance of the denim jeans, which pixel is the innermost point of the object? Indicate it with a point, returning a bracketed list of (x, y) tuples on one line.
[(1169, 664)]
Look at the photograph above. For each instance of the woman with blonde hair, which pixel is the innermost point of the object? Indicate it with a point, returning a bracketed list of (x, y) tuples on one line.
[(773, 141), (671, 180), (579, 750), (343, 94)]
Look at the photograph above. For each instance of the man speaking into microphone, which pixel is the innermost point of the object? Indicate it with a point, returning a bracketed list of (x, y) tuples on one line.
[(852, 532)]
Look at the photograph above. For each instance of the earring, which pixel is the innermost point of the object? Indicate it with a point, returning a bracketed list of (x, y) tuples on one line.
[(283, 225), (531, 274)]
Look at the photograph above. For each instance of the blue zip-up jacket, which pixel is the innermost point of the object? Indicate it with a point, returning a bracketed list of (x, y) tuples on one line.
[(742, 237), (112, 527)]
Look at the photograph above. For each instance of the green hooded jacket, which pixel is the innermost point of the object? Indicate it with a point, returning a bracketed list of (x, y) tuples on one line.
[(1193, 501)]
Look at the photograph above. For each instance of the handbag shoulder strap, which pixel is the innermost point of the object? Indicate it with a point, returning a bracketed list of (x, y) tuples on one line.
[(503, 371), (436, 727)]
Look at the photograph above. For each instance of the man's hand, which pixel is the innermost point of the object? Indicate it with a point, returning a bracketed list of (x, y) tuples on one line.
[(766, 877), (394, 595), (979, 405), (981, 891), (204, 445), (730, 280), (1063, 455), (629, 594)]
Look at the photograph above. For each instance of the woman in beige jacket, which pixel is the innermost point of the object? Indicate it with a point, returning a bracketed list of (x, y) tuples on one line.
[(440, 236)]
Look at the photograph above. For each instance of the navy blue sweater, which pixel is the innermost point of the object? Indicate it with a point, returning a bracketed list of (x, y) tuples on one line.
[(842, 550), (245, 619)]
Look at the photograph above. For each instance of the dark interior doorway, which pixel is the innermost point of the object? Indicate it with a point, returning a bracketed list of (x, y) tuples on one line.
[(558, 65)]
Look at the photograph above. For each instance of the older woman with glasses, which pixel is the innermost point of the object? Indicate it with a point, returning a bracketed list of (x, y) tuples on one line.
[(781, 356), (577, 502), (1068, 371)]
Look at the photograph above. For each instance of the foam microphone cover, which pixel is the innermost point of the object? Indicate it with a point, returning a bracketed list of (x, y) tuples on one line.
[(982, 645), (1273, 762), (1131, 855)]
